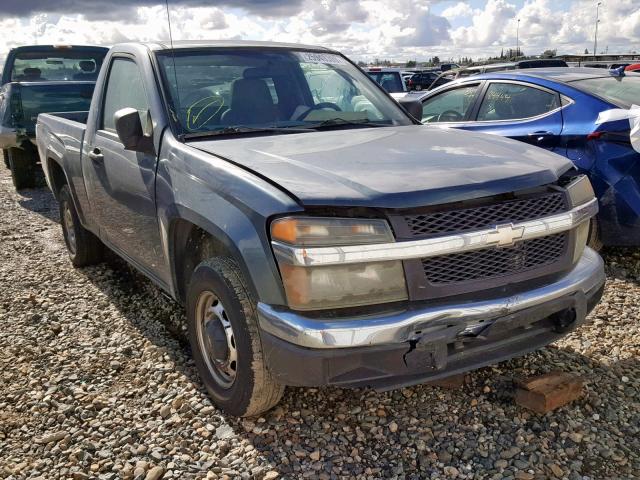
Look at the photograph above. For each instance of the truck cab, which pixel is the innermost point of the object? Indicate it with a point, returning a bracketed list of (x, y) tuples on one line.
[(317, 233)]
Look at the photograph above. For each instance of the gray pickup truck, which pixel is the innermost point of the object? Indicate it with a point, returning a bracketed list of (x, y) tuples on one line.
[(315, 231)]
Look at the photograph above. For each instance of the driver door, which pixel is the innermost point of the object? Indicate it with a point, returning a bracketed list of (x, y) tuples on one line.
[(122, 182)]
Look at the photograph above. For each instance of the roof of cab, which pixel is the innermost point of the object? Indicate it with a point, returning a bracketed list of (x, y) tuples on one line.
[(190, 44)]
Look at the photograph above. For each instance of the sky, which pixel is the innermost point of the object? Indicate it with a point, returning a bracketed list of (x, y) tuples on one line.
[(398, 30)]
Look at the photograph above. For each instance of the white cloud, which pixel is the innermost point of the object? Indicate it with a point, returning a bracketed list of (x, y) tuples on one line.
[(398, 29), (460, 9)]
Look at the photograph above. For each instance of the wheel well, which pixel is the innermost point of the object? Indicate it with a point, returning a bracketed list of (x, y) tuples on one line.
[(192, 245), (56, 175)]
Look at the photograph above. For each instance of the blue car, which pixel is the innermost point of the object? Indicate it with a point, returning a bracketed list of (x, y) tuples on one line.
[(558, 109)]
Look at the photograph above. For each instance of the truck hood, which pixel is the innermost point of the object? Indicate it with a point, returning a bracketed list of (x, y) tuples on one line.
[(391, 167)]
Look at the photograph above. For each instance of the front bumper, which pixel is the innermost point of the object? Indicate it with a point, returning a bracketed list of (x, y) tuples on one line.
[(419, 344)]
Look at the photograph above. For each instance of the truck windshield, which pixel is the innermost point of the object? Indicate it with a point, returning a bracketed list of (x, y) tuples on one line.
[(622, 91), (213, 89), (57, 64)]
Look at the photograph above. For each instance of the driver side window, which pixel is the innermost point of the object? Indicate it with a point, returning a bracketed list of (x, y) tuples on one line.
[(449, 106), (124, 89)]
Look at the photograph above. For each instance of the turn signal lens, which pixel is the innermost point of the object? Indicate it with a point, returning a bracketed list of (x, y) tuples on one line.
[(580, 190), (324, 231)]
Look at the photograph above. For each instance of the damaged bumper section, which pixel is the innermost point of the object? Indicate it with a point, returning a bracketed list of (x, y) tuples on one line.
[(429, 342)]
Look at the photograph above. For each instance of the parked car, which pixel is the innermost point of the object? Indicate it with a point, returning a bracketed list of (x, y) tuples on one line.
[(633, 68), (558, 109), (605, 65), (541, 63), (426, 81), (391, 79), (448, 66), (316, 242), (37, 79)]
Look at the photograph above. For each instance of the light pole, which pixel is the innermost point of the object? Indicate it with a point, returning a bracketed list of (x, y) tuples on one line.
[(595, 40), (518, 39)]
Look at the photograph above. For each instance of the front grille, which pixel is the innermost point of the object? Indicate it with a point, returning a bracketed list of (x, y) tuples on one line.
[(490, 263), (484, 216)]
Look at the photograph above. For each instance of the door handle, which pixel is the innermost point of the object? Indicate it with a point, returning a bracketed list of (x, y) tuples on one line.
[(96, 155), (541, 134)]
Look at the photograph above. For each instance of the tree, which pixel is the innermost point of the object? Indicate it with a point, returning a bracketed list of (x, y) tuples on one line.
[(549, 53), (361, 63), (411, 64), (435, 60), (586, 51)]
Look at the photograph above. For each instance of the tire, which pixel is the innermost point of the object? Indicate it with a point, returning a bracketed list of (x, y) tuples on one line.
[(22, 164), (83, 246), (5, 158), (224, 328), (593, 240)]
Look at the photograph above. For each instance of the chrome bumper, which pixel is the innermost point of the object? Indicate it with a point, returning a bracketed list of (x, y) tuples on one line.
[(586, 276)]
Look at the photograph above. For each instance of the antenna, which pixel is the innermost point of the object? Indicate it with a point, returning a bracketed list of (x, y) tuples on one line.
[(175, 72)]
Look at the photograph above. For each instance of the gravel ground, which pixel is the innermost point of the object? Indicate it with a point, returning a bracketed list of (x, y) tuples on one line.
[(97, 382)]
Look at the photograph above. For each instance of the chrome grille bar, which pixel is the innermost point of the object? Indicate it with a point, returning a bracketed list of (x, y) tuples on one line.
[(456, 243)]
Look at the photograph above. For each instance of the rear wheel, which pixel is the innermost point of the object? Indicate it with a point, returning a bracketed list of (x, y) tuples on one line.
[(83, 246), (224, 337), (22, 163)]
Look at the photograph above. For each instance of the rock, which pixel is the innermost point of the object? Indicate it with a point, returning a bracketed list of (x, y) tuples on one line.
[(155, 473), (393, 427), (271, 475), (451, 471), (520, 475), (52, 437), (315, 455), (165, 411), (557, 471)]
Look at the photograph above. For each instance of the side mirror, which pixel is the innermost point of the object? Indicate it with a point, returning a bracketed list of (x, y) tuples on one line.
[(130, 132), (414, 107)]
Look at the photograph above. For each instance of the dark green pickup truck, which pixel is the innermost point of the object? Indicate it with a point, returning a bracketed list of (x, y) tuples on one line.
[(40, 79)]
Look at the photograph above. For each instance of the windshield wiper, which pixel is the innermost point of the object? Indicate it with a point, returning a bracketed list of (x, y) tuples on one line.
[(338, 122), (237, 129)]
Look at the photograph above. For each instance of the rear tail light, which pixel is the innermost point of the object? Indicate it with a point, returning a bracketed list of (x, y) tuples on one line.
[(594, 135)]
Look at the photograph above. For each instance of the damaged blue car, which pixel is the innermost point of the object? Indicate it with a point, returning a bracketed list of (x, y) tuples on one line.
[(585, 114)]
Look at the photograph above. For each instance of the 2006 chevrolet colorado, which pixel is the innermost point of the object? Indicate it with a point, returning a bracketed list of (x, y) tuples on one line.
[(316, 232)]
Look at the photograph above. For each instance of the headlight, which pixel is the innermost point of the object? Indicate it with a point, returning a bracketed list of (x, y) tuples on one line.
[(337, 286), (580, 191)]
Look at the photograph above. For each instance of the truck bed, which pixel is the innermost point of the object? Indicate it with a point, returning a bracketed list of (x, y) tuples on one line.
[(62, 132)]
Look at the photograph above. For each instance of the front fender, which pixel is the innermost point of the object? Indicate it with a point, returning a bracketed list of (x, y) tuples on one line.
[(229, 204)]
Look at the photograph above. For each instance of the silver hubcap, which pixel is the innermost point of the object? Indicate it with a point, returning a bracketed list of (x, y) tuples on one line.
[(216, 339), (68, 225)]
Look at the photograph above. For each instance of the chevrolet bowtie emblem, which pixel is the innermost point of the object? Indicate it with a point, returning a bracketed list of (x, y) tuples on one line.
[(505, 235)]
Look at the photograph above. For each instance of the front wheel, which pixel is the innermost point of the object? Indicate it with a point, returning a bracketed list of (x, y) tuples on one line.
[(22, 163), (224, 338)]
